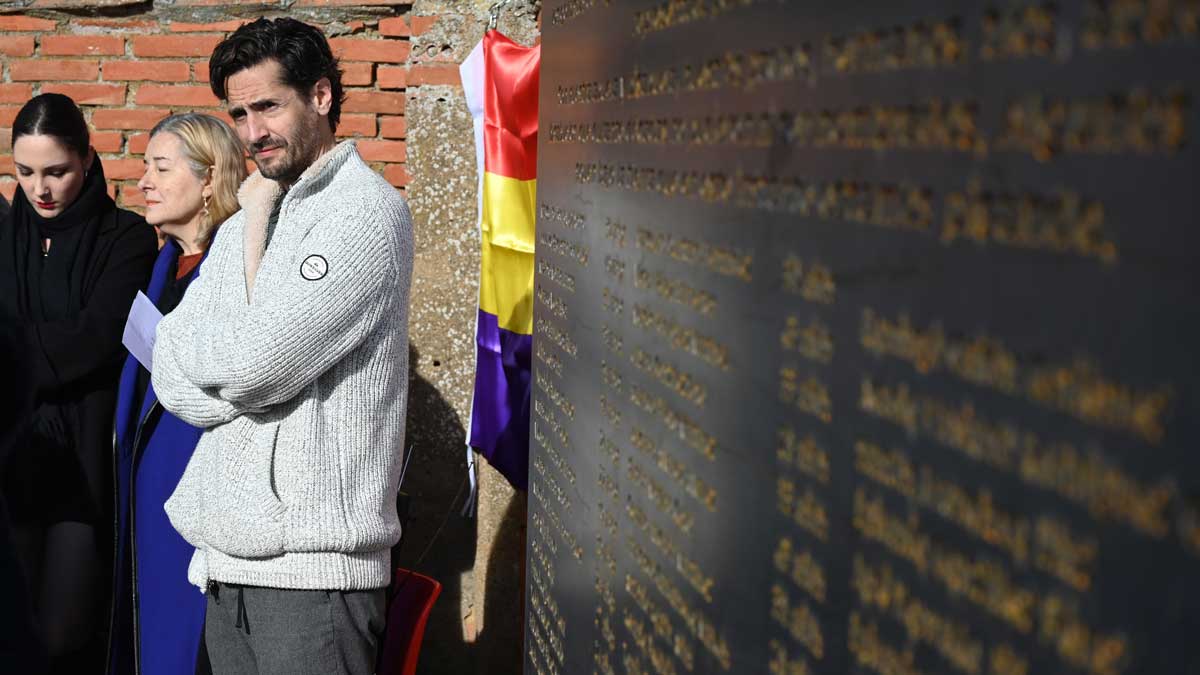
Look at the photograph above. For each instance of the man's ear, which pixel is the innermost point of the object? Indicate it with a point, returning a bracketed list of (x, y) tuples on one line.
[(321, 96)]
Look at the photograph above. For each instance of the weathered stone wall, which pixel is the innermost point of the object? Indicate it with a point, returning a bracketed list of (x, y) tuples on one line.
[(487, 610), (129, 63)]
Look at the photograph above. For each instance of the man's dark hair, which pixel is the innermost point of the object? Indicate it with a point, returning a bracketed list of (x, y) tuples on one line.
[(53, 115), (301, 50)]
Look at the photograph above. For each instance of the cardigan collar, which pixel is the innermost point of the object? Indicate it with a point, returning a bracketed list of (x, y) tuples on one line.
[(259, 195), (259, 192)]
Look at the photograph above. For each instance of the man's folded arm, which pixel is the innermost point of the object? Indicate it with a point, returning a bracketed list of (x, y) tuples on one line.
[(175, 391), (184, 398), (339, 284)]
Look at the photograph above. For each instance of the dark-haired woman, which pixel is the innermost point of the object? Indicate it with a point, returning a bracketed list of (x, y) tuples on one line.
[(70, 265)]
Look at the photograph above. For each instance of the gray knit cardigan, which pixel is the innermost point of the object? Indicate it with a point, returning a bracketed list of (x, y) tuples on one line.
[(294, 359)]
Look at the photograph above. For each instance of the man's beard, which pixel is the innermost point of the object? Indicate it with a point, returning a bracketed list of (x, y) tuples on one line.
[(296, 157), (286, 168)]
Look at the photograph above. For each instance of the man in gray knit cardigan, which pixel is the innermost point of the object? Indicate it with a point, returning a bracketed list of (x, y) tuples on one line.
[(291, 351)]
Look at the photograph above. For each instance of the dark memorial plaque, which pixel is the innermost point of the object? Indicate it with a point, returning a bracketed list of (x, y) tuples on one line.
[(866, 339)]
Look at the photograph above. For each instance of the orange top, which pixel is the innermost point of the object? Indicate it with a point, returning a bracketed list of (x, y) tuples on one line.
[(186, 264)]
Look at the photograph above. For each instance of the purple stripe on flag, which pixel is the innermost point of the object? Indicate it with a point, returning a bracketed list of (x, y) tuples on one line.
[(500, 412)]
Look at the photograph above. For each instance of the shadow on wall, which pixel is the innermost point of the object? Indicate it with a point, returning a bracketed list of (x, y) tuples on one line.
[(440, 542), (501, 642), (436, 485)]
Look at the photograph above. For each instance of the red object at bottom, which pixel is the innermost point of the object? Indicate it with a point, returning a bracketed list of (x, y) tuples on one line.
[(407, 615)]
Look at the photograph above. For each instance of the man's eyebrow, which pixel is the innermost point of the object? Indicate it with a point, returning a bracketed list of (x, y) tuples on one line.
[(259, 104)]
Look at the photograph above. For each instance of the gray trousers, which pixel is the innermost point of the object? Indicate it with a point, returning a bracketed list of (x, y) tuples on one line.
[(269, 631)]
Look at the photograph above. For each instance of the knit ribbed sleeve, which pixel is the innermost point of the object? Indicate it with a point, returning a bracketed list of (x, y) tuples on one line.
[(299, 323), (300, 380)]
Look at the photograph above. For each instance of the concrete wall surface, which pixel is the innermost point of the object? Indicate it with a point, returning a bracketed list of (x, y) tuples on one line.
[(129, 63)]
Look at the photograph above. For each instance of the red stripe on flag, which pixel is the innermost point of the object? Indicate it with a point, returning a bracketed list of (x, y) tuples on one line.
[(510, 107)]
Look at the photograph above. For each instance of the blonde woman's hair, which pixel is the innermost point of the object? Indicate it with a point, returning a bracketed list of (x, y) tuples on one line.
[(210, 145)]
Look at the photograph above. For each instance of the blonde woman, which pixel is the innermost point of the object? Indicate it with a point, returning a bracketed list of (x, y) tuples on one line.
[(194, 166)]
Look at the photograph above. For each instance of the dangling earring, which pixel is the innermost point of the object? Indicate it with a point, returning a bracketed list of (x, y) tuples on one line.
[(207, 219)]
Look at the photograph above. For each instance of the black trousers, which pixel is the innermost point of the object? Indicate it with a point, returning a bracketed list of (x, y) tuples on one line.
[(251, 630)]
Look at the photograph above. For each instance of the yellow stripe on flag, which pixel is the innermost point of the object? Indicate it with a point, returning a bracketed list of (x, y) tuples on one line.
[(506, 275)]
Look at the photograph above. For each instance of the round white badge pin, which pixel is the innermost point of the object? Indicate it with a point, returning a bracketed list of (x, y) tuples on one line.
[(314, 267)]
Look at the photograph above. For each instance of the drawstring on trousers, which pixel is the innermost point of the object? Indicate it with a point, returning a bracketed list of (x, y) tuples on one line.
[(242, 616), (243, 619)]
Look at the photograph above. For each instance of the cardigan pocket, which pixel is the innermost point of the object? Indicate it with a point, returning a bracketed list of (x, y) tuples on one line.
[(247, 519), (185, 506)]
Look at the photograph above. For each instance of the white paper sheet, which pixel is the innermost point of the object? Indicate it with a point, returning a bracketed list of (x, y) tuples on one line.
[(140, 330)]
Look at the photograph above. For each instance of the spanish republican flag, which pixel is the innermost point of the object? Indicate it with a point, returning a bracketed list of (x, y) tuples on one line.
[(500, 81)]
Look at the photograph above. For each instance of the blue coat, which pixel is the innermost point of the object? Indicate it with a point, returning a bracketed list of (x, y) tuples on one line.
[(158, 617)]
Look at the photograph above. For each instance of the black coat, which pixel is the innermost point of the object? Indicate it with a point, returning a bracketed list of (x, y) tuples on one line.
[(20, 647), (76, 358)]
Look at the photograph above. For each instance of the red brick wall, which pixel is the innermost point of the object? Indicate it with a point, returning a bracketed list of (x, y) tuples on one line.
[(128, 73)]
